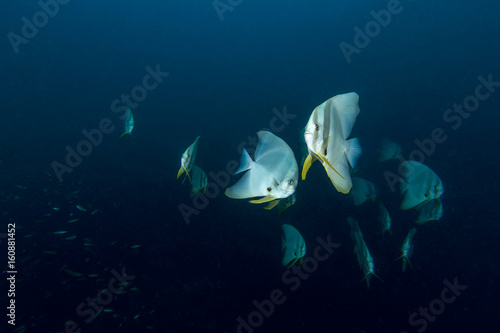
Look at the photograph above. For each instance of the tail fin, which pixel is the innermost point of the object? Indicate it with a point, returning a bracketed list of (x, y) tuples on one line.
[(353, 151)]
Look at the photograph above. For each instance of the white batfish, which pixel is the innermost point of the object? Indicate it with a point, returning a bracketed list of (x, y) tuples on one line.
[(326, 136), (128, 123), (431, 211), (293, 246), (362, 190), (188, 158), (273, 175), (388, 150), (419, 184), (199, 180)]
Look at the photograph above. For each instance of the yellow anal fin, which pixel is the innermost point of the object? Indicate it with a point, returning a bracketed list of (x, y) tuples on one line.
[(272, 204), (267, 198)]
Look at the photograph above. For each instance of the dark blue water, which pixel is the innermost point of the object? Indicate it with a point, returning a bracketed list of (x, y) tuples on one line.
[(224, 70)]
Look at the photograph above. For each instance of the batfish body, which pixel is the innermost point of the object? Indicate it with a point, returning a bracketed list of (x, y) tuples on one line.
[(326, 134)]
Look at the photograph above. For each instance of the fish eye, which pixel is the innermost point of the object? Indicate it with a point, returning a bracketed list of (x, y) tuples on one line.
[(268, 189), (290, 182), (316, 127)]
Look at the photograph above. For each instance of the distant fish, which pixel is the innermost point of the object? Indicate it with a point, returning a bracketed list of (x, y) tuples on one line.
[(128, 123), (81, 208), (385, 219), (363, 255), (326, 134), (60, 232), (273, 175), (74, 220), (73, 273), (188, 158), (388, 150), (407, 248), (199, 180), (419, 184), (431, 211), (362, 190), (135, 246), (293, 247)]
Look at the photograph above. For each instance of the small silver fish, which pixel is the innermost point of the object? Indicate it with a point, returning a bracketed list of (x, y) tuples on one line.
[(128, 123)]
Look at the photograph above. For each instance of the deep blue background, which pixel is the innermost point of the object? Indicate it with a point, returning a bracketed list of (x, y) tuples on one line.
[(225, 79)]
